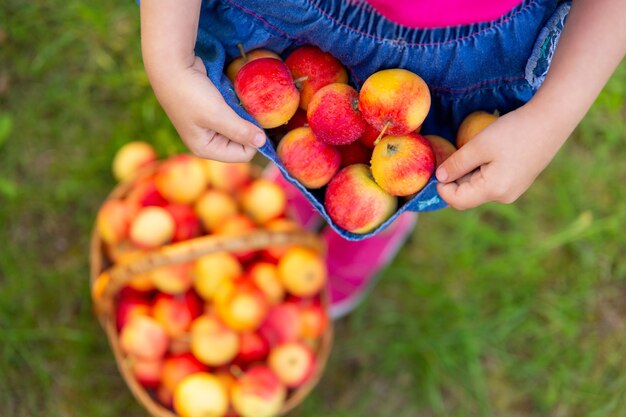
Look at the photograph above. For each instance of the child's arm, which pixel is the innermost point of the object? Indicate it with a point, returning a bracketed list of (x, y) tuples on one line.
[(501, 162), (207, 125)]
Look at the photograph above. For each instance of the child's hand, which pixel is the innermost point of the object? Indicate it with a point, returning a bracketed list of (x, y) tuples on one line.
[(501, 162), (207, 125)]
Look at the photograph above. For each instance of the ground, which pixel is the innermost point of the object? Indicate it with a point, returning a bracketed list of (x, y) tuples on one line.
[(507, 310)]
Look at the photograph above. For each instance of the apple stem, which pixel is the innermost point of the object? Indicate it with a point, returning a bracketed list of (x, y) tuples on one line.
[(243, 52), (236, 371), (496, 113), (382, 132), (298, 81)]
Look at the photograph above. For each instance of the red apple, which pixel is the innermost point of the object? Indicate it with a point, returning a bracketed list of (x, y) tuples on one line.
[(258, 393), (395, 101), (314, 69), (355, 202), (442, 148), (307, 159), (282, 325), (144, 338), (334, 115), (402, 165), (233, 68), (187, 224), (178, 367), (147, 372), (252, 347), (175, 313), (267, 91)]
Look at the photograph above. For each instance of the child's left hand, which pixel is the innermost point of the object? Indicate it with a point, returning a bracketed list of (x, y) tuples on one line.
[(502, 161)]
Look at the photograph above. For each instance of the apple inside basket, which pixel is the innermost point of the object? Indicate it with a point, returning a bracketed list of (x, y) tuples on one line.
[(204, 316)]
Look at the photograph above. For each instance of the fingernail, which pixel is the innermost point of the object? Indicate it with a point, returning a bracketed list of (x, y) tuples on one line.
[(442, 175), (258, 140)]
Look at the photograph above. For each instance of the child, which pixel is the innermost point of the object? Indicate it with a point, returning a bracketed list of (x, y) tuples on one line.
[(486, 55)]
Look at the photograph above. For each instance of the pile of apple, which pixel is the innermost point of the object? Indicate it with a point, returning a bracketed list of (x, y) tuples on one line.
[(364, 147), (229, 334)]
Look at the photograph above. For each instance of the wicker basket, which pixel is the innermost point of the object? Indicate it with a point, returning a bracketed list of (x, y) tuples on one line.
[(108, 279)]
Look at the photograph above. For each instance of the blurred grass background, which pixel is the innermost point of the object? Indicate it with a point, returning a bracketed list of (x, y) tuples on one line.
[(507, 310)]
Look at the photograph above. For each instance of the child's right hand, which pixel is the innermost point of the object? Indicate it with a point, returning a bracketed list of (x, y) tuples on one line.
[(209, 127)]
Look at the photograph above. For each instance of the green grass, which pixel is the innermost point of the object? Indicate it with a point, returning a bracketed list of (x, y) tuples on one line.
[(506, 310)]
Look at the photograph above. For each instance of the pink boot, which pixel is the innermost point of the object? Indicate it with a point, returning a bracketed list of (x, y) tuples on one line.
[(352, 266)]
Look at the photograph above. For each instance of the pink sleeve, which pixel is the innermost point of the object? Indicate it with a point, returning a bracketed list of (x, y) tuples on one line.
[(441, 13)]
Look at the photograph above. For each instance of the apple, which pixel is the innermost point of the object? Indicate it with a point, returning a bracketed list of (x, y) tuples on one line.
[(212, 270), (228, 177), (355, 202), (178, 367), (314, 69), (233, 68), (307, 159), (282, 325), (395, 101), (302, 271), (253, 347), (214, 207), (201, 395), (144, 193), (176, 313), (187, 224), (130, 158), (293, 363), (113, 221), (333, 115), (402, 165), (442, 148), (128, 307), (144, 338), (472, 125), (173, 279), (264, 275), (241, 306), (263, 200), (314, 321), (267, 91), (258, 393), (152, 227), (181, 179), (212, 343)]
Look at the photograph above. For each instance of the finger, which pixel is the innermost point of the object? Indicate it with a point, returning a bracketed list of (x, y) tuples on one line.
[(223, 119), (466, 192), (460, 163), (218, 147)]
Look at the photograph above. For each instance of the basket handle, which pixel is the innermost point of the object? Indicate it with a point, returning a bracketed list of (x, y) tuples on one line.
[(120, 274)]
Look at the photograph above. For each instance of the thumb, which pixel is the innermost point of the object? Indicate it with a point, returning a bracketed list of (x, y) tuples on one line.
[(223, 119), (460, 163)]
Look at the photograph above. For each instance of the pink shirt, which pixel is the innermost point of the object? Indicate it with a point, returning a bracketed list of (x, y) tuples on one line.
[(441, 13)]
